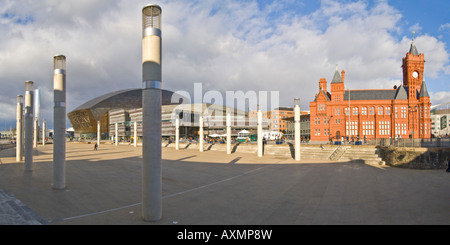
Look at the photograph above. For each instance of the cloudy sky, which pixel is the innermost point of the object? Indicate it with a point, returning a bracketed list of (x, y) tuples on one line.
[(227, 45)]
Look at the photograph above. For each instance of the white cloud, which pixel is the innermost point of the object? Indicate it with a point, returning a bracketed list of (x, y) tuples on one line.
[(227, 45), (440, 97), (445, 27), (415, 28)]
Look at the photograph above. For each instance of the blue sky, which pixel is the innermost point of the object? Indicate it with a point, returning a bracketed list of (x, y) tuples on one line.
[(265, 45)]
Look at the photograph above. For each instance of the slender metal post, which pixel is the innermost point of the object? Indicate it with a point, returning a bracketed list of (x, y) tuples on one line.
[(260, 134), (36, 133), (37, 105), (28, 141), (228, 133), (59, 122), (116, 136), (297, 128), (177, 133), (135, 134), (19, 119), (151, 113), (200, 137), (98, 133), (44, 127)]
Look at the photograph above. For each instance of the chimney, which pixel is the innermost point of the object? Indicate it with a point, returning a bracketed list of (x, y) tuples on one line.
[(323, 84), (343, 76)]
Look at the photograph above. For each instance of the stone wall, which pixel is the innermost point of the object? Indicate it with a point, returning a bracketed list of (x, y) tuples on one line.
[(415, 158)]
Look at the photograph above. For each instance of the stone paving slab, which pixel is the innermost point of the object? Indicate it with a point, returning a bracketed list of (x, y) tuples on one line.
[(211, 187), (14, 212)]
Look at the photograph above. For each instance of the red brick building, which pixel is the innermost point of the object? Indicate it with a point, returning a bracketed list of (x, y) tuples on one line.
[(403, 111)]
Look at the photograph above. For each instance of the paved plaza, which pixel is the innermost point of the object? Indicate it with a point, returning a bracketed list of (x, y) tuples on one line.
[(211, 187)]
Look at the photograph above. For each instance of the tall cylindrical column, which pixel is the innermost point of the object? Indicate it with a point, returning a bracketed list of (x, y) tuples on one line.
[(297, 128), (116, 135), (59, 122), (98, 133), (37, 106), (44, 127), (19, 118), (36, 133), (260, 134), (28, 140), (151, 113), (135, 134), (228, 133), (177, 133), (200, 136)]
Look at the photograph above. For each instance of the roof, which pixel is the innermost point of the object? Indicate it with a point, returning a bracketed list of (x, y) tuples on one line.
[(377, 94), (370, 94), (424, 90), (284, 109), (401, 94), (128, 98), (413, 49), (85, 117), (337, 78), (327, 96)]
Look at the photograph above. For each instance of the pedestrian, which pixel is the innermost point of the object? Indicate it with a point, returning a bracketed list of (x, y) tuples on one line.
[(448, 165), (95, 147)]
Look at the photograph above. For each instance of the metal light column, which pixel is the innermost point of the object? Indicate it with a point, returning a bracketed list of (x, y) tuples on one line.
[(19, 118), (44, 127), (297, 128), (36, 133), (135, 134), (260, 134), (37, 105), (151, 113), (116, 135), (28, 124), (98, 133), (200, 137), (228, 133), (177, 133), (59, 122)]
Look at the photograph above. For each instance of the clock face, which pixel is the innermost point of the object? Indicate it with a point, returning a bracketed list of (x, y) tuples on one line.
[(415, 74)]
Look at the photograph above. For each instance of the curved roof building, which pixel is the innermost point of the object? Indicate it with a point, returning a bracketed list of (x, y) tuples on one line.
[(84, 118)]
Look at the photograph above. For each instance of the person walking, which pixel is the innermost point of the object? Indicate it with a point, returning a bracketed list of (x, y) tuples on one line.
[(95, 147)]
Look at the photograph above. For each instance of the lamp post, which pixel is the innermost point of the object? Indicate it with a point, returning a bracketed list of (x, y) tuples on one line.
[(44, 127), (59, 122), (260, 134), (177, 132), (228, 133), (201, 135), (98, 133), (297, 128), (349, 113), (151, 113), (28, 124), (19, 119)]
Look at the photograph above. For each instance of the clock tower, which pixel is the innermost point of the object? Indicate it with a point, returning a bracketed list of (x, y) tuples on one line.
[(413, 68)]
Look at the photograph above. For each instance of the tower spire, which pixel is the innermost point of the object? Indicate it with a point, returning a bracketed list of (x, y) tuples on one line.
[(413, 49)]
